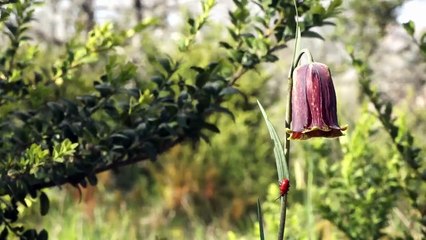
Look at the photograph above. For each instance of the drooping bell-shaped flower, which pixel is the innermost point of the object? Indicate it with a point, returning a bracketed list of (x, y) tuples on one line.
[(314, 112)]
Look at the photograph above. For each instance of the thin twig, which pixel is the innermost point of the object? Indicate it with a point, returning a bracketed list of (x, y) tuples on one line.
[(238, 74)]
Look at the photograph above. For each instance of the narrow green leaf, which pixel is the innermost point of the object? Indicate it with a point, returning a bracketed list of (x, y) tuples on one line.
[(225, 45), (224, 110), (312, 34), (147, 22), (328, 23), (278, 147), (271, 58), (211, 127), (260, 219), (197, 69)]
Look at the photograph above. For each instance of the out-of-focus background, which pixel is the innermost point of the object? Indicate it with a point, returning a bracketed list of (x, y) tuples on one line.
[(210, 191)]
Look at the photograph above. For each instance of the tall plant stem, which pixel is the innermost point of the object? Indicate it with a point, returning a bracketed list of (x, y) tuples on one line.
[(294, 63), (287, 156)]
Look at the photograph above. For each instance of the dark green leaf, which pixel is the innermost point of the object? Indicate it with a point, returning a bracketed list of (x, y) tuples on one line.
[(33, 193), (182, 120), (423, 42), (23, 116), (71, 107), (89, 101), (105, 89), (18, 229), (249, 60), (54, 107), (120, 139), (165, 63), (150, 149), (328, 23), (234, 35), (388, 110), (228, 91), (247, 35), (158, 79), (43, 235), (271, 58), (44, 204), (191, 22), (201, 79), (225, 45), (213, 87), (197, 69), (205, 138), (312, 34), (93, 180), (118, 149), (410, 27), (12, 28), (211, 127), (224, 110), (4, 234), (11, 213), (278, 47), (30, 234)]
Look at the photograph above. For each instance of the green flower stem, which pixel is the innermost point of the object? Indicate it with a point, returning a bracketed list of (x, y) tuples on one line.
[(294, 63), (310, 58), (282, 217), (287, 155), (287, 138), (308, 204)]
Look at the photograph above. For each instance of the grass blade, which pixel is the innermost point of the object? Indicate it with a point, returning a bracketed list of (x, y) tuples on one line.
[(260, 219)]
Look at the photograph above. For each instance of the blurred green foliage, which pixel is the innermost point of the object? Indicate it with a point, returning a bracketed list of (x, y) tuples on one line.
[(68, 112)]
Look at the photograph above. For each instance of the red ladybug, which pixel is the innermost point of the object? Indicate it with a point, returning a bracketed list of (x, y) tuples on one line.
[(284, 186)]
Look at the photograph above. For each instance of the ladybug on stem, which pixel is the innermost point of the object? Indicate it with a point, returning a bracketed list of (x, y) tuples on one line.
[(284, 186)]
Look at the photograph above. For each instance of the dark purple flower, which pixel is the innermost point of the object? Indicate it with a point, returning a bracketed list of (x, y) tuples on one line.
[(313, 103)]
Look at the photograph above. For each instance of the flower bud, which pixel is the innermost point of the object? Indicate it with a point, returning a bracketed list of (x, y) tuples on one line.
[(314, 112)]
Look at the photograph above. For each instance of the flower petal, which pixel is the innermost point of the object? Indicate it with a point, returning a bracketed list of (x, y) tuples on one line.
[(314, 111)]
